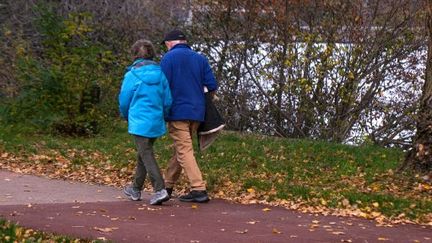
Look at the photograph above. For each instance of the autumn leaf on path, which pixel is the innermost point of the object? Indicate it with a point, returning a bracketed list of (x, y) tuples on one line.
[(383, 239), (266, 209), (241, 231), (105, 230), (276, 231), (194, 206)]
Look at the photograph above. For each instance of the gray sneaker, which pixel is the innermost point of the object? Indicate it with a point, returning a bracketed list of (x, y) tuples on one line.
[(159, 197), (133, 193)]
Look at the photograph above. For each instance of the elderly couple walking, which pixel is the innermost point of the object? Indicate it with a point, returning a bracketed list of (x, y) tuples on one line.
[(173, 92)]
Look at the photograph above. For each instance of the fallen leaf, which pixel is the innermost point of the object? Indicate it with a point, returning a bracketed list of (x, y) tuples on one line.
[(383, 239), (338, 233), (241, 231), (251, 190), (252, 222), (105, 230), (276, 231), (345, 202), (266, 209), (194, 206)]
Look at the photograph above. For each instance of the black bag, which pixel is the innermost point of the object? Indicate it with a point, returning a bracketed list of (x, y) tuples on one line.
[(212, 124)]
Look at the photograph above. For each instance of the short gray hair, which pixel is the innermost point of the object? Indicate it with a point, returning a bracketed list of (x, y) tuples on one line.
[(143, 49)]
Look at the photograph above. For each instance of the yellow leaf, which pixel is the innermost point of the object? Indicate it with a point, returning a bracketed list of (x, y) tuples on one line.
[(266, 209), (276, 231), (251, 190), (375, 204), (383, 239), (194, 206)]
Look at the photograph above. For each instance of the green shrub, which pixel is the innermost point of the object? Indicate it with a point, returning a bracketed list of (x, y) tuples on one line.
[(64, 87)]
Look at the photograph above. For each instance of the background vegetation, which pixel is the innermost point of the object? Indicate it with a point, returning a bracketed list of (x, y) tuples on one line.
[(333, 70)]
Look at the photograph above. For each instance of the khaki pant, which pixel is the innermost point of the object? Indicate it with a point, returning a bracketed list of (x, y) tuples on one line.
[(181, 132)]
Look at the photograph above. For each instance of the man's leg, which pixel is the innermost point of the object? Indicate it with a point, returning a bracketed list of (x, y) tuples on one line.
[(181, 132), (172, 172)]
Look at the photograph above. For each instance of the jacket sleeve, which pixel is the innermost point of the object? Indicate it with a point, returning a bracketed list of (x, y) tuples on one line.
[(125, 96), (167, 96), (209, 78)]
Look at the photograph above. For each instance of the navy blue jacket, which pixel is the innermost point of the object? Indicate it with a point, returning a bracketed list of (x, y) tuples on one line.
[(187, 73)]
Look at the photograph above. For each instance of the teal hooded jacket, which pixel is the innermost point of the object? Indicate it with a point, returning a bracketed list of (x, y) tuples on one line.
[(145, 99)]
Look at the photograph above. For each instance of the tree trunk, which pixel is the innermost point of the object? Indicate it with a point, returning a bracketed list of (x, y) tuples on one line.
[(420, 155)]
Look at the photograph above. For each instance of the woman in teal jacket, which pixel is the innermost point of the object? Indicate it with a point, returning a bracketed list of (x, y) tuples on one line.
[(145, 100)]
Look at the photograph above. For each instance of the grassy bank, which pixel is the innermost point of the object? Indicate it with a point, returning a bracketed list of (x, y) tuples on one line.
[(10, 232), (310, 176)]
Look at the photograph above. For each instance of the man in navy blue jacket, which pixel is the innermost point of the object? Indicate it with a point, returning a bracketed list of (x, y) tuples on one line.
[(188, 73)]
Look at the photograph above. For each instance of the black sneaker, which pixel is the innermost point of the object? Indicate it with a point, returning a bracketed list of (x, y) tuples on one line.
[(169, 191), (195, 196)]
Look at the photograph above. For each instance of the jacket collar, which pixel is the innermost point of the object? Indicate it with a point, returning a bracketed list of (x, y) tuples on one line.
[(181, 45)]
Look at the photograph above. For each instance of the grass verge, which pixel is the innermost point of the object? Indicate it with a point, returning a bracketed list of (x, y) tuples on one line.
[(11, 233)]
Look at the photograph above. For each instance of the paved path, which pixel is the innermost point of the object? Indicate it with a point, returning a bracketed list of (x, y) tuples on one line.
[(92, 211)]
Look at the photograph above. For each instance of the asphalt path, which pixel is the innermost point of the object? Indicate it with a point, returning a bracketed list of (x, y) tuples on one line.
[(102, 212)]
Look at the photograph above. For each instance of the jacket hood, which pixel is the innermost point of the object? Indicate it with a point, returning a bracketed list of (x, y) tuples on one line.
[(144, 70)]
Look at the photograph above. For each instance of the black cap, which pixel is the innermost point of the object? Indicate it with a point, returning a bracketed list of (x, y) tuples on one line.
[(174, 35)]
